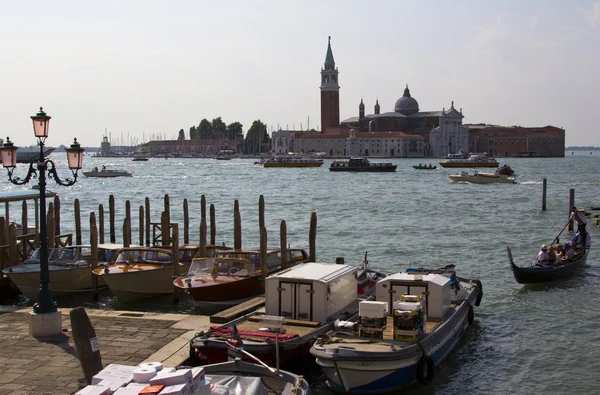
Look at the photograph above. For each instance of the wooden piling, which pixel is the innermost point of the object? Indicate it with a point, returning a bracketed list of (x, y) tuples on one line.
[(56, 214), (13, 248), (203, 207), (128, 210), (77, 222), (147, 204), (94, 257), (111, 210), (126, 232), (175, 260), (237, 230), (24, 222), (202, 237), (261, 212), (141, 229), (213, 225), (186, 223), (101, 224), (3, 241), (166, 231), (283, 243), (50, 227), (263, 253), (571, 204), (544, 183), (164, 228), (312, 238)]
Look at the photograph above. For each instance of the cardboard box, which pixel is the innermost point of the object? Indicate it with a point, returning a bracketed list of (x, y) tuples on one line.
[(411, 298), (368, 309), (371, 333), (197, 378), (177, 389), (93, 390), (114, 384), (114, 371), (151, 389), (182, 376)]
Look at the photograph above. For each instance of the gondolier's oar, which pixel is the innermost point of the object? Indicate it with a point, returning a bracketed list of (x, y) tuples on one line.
[(563, 229)]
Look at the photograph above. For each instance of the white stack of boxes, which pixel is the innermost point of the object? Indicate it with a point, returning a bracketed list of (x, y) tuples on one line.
[(372, 319), (150, 379), (410, 318)]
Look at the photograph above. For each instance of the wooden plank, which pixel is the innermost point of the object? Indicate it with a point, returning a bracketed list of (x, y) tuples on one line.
[(237, 311), (289, 321), (289, 329)]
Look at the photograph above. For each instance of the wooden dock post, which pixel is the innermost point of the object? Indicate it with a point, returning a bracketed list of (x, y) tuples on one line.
[(77, 223), (50, 227), (544, 183), (94, 257), (101, 224), (175, 260), (141, 228), (283, 243), (164, 225), (166, 231), (261, 212), (571, 204), (25, 224), (213, 225), (128, 210), (202, 237), (203, 207), (186, 222), (56, 214), (312, 237), (126, 232), (111, 210), (263, 253), (237, 226), (3, 241), (147, 204), (12, 242)]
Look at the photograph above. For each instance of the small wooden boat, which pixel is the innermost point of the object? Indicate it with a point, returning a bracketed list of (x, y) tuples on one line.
[(424, 167), (231, 277), (398, 340), (69, 267), (300, 304), (540, 273), (482, 178), (105, 173), (362, 165), (292, 161)]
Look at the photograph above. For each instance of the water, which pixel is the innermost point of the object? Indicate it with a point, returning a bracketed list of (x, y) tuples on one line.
[(525, 340)]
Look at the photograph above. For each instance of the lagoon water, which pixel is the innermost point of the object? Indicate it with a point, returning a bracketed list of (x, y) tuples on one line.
[(526, 340)]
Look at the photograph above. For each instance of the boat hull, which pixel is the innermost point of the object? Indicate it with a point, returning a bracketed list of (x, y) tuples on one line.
[(299, 164), (30, 156), (370, 169), (542, 274), (483, 178), (468, 164), (107, 174), (149, 281), (220, 290), (63, 281)]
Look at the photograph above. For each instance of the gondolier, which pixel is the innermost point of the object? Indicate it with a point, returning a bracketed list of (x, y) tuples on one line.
[(579, 217)]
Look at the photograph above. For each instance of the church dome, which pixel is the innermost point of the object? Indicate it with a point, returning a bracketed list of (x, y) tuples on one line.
[(406, 105)]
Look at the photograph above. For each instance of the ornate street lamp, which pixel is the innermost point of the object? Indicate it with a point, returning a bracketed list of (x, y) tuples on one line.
[(41, 121)]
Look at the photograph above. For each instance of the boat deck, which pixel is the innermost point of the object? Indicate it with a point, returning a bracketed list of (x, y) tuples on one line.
[(296, 327)]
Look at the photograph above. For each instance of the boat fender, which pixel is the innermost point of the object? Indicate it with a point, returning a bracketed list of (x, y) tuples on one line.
[(425, 369), (470, 316), (478, 301)]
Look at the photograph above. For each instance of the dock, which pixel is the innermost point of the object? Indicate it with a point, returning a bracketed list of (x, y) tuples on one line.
[(50, 365), (238, 310)]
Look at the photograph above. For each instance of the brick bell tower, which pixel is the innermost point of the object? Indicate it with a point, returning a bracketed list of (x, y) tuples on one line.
[(330, 92)]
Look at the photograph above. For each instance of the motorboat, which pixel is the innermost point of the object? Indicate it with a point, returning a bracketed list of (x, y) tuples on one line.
[(474, 160), (300, 303), (31, 154), (482, 178), (292, 161), (362, 165), (106, 173), (69, 267), (231, 277), (506, 170), (424, 167), (142, 272), (140, 159), (397, 340)]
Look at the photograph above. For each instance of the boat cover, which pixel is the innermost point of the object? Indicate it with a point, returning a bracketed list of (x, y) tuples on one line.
[(220, 331), (240, 385)]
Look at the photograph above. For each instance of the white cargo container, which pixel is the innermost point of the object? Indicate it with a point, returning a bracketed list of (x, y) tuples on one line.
[(434, 287), (311, 291)]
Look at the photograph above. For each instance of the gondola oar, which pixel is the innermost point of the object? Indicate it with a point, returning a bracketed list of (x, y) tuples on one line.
[(563, 229)]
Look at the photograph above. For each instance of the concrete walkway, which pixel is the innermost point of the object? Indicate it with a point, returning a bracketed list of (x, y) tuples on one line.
[(50, 365)]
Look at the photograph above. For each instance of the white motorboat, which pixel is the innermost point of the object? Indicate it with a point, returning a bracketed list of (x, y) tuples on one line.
[(105, 173), (474, 160), (392, 348), (482, 178)]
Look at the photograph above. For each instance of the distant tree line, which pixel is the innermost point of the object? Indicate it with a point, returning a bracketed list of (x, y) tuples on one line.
[(256, 139)]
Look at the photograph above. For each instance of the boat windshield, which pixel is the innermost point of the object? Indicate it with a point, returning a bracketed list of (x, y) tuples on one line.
[(222, 266), (138, 256)]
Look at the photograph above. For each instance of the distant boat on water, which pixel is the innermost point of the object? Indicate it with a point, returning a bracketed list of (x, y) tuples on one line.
[(29, 154)]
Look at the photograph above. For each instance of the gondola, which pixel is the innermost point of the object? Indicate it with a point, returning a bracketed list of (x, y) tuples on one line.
[(544, 273)]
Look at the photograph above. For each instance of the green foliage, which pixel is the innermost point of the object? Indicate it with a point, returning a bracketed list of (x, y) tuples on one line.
[(181, 135), (257, 139)]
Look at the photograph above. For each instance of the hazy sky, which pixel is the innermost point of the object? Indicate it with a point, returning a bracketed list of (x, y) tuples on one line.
[(151, 68)]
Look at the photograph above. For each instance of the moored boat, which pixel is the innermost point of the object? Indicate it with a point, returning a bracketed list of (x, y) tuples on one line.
[(416, 320), (292, 161), (230, 277), (482, 178), (300, 303), (69, 268), (424, 167), (361, 165), (106, 173), (474, 160)]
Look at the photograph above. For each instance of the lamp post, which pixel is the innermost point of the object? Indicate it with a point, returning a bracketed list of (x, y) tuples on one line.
[(41, 121)]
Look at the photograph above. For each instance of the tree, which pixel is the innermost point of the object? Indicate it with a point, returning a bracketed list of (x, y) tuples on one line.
[(257, 139), (181, 135), (193, 133), (235, 131), (219, 128), (204, 129)]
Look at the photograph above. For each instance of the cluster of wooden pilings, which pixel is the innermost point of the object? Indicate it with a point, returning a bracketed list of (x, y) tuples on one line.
[(15, 248)]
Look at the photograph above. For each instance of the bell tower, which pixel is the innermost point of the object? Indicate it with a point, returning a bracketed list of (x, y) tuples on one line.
[(330, 92)]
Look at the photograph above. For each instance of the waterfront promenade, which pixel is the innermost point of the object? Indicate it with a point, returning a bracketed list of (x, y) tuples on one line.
[(50, 365)]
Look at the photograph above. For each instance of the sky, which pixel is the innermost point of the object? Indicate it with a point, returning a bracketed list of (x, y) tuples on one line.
[(143, 70)]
